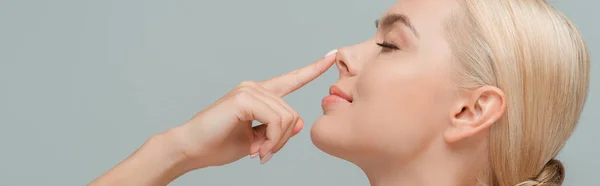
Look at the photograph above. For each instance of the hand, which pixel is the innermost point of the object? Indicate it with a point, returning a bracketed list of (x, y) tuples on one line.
[(223, 132)]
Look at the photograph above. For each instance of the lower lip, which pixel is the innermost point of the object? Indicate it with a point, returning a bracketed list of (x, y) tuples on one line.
[(331, 100)]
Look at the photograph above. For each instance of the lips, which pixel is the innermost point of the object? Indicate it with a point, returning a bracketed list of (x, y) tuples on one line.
[(336, 96), (334, 90)]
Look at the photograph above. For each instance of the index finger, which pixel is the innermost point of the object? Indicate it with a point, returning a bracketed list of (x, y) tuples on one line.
[(292, 81)]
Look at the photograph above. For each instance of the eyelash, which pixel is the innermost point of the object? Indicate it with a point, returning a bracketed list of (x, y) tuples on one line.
[(387, 47)]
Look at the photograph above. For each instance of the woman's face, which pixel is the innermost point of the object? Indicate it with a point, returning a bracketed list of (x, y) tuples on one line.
[(399, 95)]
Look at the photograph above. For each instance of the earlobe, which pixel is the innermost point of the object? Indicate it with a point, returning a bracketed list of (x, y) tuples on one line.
[(475, 112)]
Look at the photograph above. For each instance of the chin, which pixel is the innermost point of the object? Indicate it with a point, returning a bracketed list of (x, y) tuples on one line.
[(333, 138)]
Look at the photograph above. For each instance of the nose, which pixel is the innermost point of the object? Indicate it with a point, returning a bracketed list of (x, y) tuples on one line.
[(350, 60), (343, 59), (342, 63)]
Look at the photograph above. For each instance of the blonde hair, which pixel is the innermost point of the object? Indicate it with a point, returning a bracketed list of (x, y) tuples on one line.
[(538, 58)]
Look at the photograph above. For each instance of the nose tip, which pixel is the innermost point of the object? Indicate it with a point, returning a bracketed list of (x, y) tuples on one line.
[(343, 64)]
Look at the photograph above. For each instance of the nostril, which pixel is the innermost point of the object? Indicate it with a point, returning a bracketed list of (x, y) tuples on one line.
[(342, 66), (346, 62)]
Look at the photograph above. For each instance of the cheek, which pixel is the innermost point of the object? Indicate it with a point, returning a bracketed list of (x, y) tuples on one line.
[(401, 103), (407, 92)]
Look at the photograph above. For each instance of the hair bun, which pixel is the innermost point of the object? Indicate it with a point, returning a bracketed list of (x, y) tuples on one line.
[(553, 174)]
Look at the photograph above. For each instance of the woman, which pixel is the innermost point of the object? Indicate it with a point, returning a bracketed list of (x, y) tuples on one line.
[(446, 93)]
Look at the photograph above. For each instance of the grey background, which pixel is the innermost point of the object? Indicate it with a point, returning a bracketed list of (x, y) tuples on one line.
[(84, 83)]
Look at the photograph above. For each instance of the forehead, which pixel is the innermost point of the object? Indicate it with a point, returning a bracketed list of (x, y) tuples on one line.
[(427, 16)]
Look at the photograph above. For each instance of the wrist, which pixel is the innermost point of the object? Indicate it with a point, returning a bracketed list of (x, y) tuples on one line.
[(167, 151), (185, 153), (156, 162), (164, 154)]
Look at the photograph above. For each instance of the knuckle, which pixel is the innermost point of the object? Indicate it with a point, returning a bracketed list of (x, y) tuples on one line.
[(276, 126), (288, 118), (295, 115), (245, 89), (247, 83), (242, 96)]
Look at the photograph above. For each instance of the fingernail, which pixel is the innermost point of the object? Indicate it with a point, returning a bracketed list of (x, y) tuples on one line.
[(266, 158), (334, 51), (254, 155)]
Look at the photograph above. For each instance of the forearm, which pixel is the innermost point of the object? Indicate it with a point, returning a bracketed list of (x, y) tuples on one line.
[(156, 163)]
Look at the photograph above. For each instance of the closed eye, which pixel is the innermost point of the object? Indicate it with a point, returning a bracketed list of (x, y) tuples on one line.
[(388, 47)]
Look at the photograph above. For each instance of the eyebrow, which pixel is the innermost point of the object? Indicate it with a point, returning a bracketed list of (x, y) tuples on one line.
[(391, 19)]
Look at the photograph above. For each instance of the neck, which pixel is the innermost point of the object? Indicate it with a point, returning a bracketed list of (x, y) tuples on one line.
[(429, 168)]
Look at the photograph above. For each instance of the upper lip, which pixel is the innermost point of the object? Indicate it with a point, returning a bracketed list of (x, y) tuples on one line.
[(334, 90)]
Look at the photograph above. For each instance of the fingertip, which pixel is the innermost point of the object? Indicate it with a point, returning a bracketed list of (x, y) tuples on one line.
[(329, 59), (266, 158), (255, 148), (281, 85), (331, 53), (326, 62), (267, 148)]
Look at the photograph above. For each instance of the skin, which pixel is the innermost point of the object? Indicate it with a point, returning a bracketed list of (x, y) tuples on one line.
[(408, 121), (222, 133), (407, 124)]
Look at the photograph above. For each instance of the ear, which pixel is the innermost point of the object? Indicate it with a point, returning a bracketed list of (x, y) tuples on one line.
[(475, 111)]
